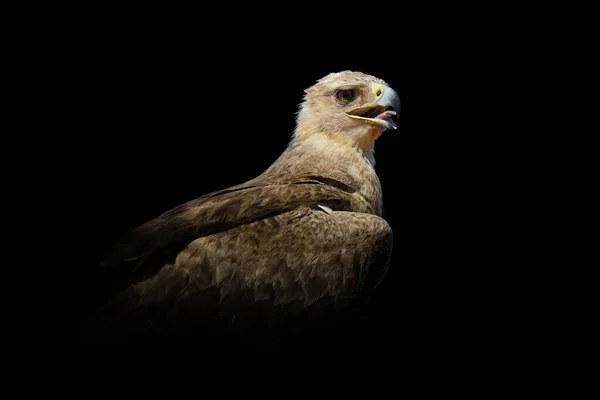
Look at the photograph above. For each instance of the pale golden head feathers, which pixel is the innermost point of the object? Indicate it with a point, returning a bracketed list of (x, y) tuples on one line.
[(350, 106)]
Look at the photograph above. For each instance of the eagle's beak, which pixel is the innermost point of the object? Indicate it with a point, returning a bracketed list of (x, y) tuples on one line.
[(381, 112)]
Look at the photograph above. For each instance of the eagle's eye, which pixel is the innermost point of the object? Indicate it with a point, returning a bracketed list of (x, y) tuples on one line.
[(345, 95)]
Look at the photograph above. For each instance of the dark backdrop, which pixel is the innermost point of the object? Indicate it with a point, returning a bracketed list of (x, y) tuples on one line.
[(167, 113)]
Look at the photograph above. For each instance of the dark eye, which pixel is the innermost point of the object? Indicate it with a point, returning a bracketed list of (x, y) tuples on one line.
[(344, 95)]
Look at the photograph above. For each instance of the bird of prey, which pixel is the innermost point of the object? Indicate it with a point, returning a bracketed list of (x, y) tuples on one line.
[(304, 238)]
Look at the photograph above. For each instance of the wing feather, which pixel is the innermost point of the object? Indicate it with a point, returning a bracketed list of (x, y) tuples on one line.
[(276, 267), (220, 211)]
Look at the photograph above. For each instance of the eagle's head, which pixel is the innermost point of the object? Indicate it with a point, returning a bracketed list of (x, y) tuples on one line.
[(349, 105)]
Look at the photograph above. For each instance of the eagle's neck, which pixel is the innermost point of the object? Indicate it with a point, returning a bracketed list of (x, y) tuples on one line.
[(366, 147), (322, 155), (361, 139)]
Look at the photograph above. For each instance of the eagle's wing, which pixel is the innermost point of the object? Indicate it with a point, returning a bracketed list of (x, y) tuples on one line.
[(253, 250), (222, 210)]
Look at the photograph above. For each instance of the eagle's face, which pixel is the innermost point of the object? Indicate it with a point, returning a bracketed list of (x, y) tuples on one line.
[(352, 104)]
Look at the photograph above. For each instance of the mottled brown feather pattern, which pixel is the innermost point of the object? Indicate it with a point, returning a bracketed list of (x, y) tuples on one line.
[(310, 256), (214, 213), (265, 250)]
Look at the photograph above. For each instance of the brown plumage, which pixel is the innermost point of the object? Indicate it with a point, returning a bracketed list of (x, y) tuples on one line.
[(304, 238)]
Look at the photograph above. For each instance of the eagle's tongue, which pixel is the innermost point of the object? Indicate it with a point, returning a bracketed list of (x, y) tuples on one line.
[(387, 115)]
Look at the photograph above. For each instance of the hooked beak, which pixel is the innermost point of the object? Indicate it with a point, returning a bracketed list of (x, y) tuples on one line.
[(381, 112)]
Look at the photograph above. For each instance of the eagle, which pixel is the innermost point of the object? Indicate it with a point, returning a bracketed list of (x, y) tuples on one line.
[(303, 241)]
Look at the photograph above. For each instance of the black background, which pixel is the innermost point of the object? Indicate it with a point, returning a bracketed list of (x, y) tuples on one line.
[(169, 109)]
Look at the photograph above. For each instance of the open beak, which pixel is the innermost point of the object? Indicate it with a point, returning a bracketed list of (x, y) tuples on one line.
[(382, 112)]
